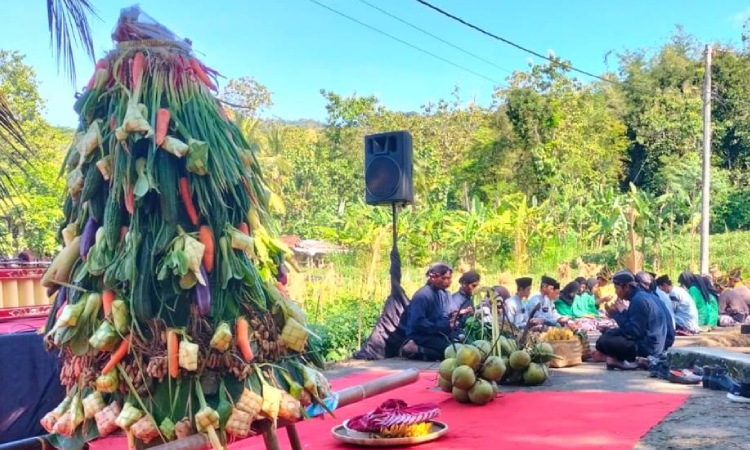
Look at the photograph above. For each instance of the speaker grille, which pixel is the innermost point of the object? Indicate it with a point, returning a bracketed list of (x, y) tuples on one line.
[(382, 177)]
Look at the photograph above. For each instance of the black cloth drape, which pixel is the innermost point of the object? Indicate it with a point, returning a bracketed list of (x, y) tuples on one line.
[(29, 385), (388, 334)]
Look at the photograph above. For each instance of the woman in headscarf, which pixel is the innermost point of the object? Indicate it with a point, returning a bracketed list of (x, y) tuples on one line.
[(705, 300), (584, 305), (568, 294)]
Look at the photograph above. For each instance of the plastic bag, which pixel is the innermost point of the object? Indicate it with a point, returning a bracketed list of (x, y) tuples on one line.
[(136, 25)]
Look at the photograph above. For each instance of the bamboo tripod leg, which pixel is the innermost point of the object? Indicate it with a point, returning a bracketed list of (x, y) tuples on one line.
[(294, 441), (270, 438)]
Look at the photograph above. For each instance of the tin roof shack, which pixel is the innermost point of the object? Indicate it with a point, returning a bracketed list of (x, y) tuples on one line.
[(310, 252)]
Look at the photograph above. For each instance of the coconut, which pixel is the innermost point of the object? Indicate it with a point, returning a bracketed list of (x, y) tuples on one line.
[(451, 350), (461, 395), (519, 360), (470, 356), (506, 347), (445, 385), (481, 393), (463, 377), (484, 347), (446, 368), (534, 375), (493, 369), (546, 347)]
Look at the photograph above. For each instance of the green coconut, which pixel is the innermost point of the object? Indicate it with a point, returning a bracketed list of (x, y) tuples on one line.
[(447, 367), (460, 395), (534, 375), (451, 350), (481, 393), (470, 356), (463, 377), (519, 360), (493, 369), (484, 347), (445, 385)]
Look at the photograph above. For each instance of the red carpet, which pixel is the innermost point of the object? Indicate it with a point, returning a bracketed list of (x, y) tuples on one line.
[(520, 420)]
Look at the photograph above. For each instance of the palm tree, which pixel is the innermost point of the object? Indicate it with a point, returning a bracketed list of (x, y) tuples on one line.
[(68, 25)]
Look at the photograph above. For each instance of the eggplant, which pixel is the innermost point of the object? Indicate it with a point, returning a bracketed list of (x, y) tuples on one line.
[(88, 237), (203, 294)]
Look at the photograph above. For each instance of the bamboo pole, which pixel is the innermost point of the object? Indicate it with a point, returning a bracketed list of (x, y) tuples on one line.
[(347, 396)]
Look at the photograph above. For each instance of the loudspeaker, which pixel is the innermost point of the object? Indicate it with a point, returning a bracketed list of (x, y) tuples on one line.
[(388, 168)]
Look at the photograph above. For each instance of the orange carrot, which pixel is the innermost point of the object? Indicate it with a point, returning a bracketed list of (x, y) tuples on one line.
[(244, 228), (118, 355), (187, 199), (162, 125), (123, 231), (76, 366), (129, 199), (136, 72), (101, 64), (108, 297), (207, 239), (243, 339), (173, 354), (201, 74)]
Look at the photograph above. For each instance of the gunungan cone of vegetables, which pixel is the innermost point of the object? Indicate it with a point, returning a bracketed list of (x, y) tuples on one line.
[(168, 309)]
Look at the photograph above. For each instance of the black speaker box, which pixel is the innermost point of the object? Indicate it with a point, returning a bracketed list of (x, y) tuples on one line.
[(388, 168)]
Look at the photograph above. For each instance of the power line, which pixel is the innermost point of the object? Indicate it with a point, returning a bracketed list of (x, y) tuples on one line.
[(463, 50), (506, 41), (427, 52)]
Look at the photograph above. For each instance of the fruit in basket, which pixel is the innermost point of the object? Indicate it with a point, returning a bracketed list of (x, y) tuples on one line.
[(493, 369), (463, 377), (519, 360), (481, 393), (447, 367), (470, 356)]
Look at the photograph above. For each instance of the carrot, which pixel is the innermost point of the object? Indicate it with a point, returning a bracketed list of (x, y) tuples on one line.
[(76, 366), (187, 199), (244, 228), (173, 354), (101, 64), (162, 125), (129, 199), (108, 297), (112, 123), (201, 74), (123, 231), (243, 339), (118, 355), (207, 239), (136, 72)]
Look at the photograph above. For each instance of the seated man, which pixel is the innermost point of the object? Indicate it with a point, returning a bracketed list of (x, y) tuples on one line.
[(732, 308), (546, 314), (431, 322), (685, 311), (513, 307), (462, 300), (642, 325)]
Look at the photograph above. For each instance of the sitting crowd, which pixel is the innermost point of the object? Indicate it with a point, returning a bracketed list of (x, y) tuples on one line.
[(638, 314)]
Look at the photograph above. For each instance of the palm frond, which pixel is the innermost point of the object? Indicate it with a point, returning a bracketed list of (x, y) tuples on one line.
[(10, 130), (68, 25)]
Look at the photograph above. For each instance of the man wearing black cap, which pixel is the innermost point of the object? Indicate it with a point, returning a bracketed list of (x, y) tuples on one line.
[(642, 325), (431, 320), (463, 299), (515, 311), (546, 313)]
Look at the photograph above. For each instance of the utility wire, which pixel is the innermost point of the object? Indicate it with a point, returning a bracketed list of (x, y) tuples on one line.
[(463, 50), (427, 52), (511, 43)]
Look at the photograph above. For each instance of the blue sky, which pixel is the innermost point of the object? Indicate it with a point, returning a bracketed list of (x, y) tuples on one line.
[(296, 48)]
